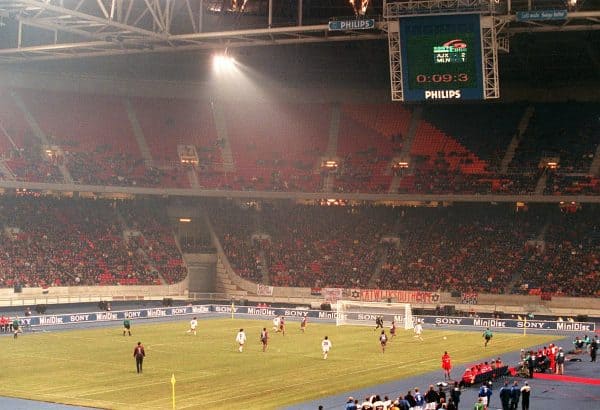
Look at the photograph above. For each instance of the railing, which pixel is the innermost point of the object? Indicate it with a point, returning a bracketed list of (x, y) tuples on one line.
[(33, 300), (216, 193), (427, 7)]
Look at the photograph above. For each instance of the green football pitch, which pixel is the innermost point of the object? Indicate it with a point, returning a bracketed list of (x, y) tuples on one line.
[(95, 367)]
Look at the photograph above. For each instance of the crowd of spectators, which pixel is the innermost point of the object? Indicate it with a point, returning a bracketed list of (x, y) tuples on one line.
[(156, 239), (561, 183), (64, 242), (303, 245), (337, 246), (200, 243), (463, 248), (235, 224), (567, 262), (440, 397), (466, 248), (484, 376), (28, 164)]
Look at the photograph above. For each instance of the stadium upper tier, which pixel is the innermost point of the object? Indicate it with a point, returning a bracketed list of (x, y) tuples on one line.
[(61, 137)]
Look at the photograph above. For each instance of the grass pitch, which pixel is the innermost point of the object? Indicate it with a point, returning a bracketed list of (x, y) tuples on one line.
[(95, 367)]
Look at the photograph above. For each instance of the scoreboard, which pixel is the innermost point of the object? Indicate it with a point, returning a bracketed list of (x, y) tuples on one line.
[(441, 57)]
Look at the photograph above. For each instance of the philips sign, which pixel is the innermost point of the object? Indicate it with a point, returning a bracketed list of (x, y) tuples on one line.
[(359, 24), (442, 94)]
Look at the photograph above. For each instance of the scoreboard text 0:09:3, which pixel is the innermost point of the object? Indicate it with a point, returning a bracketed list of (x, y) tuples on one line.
[(442, 78)]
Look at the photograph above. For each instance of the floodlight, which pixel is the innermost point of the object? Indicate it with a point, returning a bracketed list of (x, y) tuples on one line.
[(223, 62)]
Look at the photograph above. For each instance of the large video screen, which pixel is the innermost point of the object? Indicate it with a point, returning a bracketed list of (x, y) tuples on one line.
[(441, 57)]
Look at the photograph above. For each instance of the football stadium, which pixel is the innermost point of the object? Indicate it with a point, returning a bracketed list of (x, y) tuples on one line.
[(304, 204)]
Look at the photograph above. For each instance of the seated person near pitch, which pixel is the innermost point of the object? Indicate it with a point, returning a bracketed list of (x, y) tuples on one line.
[(483, 372)]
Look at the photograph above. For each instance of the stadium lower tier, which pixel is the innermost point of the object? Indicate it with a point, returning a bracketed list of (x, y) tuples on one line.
[(541, 250)]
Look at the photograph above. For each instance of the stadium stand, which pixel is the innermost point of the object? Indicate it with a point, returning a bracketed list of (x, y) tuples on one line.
[(171, 123), (369, 138), (93, 153), (156, 239), (389, 120), (235, 226), (64, 242), (468, 248), (277, 147), (450, 249), (463, 248), (486, 129), (566, 131), (282, 147), (314, 245), (567, 261)]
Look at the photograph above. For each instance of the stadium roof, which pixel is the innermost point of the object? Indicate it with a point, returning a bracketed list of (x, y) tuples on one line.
[(123, 37)]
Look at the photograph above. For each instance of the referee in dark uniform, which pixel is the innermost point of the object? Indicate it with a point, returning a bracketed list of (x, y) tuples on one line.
[(139, 354)]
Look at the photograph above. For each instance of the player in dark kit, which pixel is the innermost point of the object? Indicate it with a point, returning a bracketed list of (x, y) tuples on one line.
[(16, 327), (264, 338), (487, 335), (393, 329), (282, 325), (383, 340), (378, 322), (126, 327), (139, 354)]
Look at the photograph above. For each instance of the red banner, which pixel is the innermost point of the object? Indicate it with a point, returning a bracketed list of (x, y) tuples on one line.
[(332, 294), (399, 296), (469, 298)]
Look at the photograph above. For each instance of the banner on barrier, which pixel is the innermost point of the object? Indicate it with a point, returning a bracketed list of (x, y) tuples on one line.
[(509, 323), (399, 296), (353, 294), (332, 295), (52, 320), (264, 290), (469, 298)]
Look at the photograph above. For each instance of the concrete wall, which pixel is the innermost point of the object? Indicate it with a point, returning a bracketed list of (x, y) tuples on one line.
[(77, 294), (201, 272)]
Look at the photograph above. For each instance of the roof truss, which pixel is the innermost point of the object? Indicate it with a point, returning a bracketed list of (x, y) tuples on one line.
[(60, 29)]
